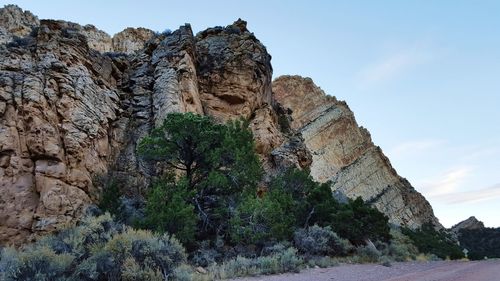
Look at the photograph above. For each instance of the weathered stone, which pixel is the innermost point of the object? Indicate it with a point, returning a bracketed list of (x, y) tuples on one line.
[(71, 114), (234, 72), (266, 131), (54, 129), (97, 39), (131, 39), (14, 22), (343, 153), (470, 223)]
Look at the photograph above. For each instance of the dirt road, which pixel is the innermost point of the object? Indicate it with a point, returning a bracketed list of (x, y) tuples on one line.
[(488, 270)]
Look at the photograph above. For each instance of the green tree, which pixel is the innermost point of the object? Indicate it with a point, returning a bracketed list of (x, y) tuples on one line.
[(185, 142), (259, 220), (218, 163), (109, 199), (321, 205), (481, 242), (168, 209), (358, 221), (312, 202), (431, 241)]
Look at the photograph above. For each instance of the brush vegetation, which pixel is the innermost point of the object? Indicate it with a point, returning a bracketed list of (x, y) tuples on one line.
[(209, 208)]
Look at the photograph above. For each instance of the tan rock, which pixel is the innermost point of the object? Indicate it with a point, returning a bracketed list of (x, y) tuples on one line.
[(131, 39), (234, 72), (71, 114), (266, 131), (201, 270), (97, 39), (343, 153), (51, 124)]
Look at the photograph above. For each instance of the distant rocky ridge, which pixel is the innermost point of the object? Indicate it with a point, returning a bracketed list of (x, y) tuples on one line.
[(74, 102), (469, 224), (15, 22), (480, 241)]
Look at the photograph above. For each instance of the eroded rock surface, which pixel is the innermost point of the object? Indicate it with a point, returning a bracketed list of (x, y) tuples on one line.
[(343, 153), (468, 224), (234, 71), (58, 100), (72, 112), (14, 22), (97, 39), (131, 39)]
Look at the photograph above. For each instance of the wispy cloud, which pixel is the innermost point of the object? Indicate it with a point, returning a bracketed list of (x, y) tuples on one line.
[(449, 183), (417, 146), (391, 66), (480, 152), (473, 196)]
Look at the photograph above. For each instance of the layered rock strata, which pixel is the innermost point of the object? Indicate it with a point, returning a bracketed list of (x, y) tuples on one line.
[(344, 154), (71, 112)]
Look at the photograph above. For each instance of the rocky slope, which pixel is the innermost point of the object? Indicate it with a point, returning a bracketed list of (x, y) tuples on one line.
[(15, 22), (480, 241), (343, 153), (468, 224), (72, 112)]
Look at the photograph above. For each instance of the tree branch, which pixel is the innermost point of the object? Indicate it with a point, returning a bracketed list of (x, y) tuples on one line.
[(306, 224)]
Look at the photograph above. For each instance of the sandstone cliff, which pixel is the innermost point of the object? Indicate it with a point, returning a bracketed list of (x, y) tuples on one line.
[(71, 111), (343, 153)]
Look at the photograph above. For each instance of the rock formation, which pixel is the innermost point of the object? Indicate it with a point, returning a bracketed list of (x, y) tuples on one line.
[(72, 112), (234, 72), (481, 242), (131, 39), (57, 102), (343, 153), (468, 224), (15, 22)]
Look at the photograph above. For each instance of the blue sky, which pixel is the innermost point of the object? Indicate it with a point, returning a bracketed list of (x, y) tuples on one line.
[(422, 76)]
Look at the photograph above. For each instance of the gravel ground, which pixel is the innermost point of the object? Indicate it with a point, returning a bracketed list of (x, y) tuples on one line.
[(488, 270)]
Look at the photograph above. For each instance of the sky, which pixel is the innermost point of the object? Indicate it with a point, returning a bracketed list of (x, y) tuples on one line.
[(422, 76)]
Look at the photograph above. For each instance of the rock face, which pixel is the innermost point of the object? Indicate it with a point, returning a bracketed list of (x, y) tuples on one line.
[(71, 112), (15, 22), (226, 94), (58, 101), (131, 39), (481, 242), (96, 39), (343, 153), (127, 41), (469, 224)]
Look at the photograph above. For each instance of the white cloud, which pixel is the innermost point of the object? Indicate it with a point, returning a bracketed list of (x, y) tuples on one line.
[(473, 196), (450, 182), (393, 65), (479, 152), (417, 146)]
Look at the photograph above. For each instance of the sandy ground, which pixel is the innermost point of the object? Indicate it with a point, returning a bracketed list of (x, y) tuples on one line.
[(488, 270)]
